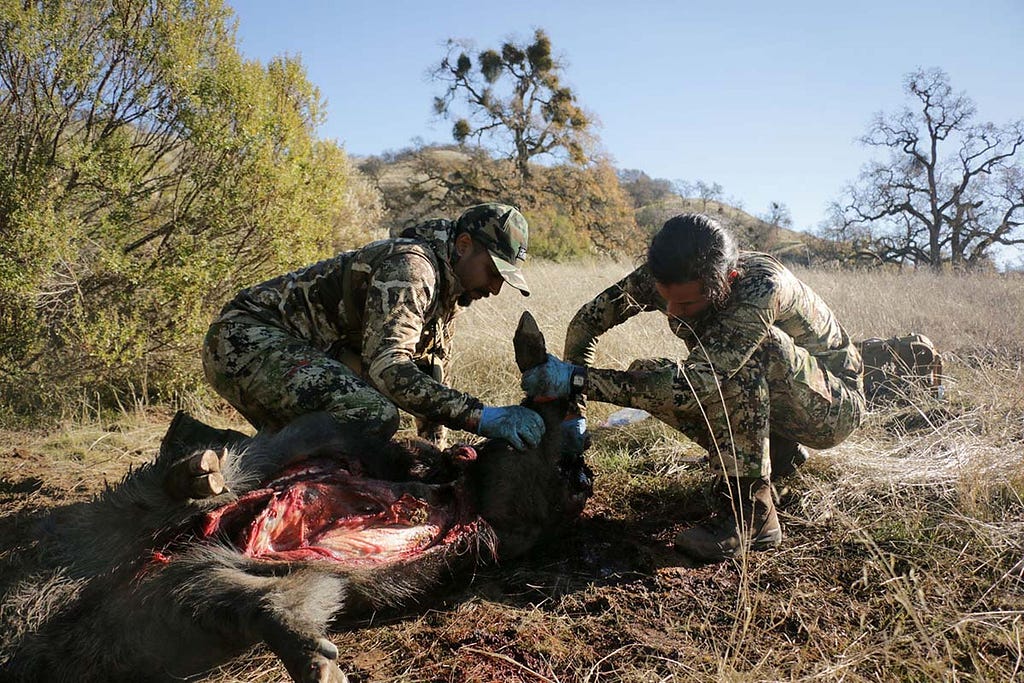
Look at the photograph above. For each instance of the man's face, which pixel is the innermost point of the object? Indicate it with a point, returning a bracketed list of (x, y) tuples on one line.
[(685, 300), (475, 270)]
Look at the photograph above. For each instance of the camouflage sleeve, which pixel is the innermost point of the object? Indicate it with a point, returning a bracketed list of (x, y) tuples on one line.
[(398, 301), (617, 304), (438, 366), (652, 390), (726, 344)]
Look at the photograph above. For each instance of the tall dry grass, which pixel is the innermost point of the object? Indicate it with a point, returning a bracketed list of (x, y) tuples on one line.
[(923, 504), (958, 312), (904, 549), (964, 314)]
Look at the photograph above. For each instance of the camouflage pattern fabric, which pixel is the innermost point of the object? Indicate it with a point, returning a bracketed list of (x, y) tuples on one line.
[(773, 359), (351, 334), (271, 378)]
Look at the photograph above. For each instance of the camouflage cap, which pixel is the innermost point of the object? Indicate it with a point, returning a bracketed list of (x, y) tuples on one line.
[(503, 230)]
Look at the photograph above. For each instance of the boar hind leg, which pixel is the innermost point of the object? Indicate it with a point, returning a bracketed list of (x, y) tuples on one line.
[(288, 612)]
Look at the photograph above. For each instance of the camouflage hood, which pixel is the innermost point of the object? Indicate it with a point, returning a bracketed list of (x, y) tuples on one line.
[(439, 233)]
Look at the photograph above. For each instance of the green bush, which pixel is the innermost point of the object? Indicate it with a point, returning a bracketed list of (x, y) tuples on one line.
[(554, 237), (154, 173)]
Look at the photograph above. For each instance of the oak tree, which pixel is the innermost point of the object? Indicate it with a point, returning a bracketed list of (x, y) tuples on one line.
[(951, 188)]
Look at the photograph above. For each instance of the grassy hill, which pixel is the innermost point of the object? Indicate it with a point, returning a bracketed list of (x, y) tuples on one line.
[(395, 174), (751, 232)]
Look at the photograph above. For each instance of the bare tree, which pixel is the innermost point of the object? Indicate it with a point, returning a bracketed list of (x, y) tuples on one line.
[(766, 234), (951, 189), (683, 188), (708, 191), (778, 216)]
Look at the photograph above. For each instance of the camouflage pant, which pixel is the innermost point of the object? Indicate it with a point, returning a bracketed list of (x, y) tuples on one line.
[(272, 377), (782, 390)]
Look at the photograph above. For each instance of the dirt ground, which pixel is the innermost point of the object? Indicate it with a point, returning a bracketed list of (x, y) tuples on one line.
[(888, 581)]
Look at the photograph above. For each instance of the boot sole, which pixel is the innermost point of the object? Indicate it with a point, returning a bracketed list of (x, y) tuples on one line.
[(759, 544)]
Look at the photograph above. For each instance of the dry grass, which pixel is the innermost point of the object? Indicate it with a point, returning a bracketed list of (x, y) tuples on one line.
[(966, 314), (904, 549)]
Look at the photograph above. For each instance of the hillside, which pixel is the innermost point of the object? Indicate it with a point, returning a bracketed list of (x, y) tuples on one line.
[(753, 233), (394, 175)]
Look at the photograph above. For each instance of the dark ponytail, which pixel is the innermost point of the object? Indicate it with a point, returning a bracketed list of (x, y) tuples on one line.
[(691, 247)]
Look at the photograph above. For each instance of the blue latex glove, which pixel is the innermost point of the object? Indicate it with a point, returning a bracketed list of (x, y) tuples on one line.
[(520, 426), (550, 379), (575, 438)]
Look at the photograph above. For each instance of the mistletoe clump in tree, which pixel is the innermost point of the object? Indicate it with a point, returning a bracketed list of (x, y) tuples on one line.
[(513, 101)]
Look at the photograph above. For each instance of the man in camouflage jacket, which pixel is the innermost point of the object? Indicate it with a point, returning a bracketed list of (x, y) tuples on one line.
[(769, 368), (368, 330)]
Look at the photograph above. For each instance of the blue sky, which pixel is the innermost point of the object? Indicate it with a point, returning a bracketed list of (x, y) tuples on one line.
[(765, 98)]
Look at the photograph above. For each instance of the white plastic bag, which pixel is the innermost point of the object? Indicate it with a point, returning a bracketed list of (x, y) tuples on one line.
[(626, 416)]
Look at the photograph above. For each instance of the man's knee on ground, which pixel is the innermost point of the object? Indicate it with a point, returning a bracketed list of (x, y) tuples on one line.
[(379, 415)]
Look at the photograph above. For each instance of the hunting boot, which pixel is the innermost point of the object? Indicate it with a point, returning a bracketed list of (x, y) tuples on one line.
[(786, 456), (723, 536)]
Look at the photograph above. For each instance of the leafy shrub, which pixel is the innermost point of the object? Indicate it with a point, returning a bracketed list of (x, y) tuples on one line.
[(154, 172)]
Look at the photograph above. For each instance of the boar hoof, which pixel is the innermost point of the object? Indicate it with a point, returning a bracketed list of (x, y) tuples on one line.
[(322, 668), (313, 661), (327, 648), (197, 476)]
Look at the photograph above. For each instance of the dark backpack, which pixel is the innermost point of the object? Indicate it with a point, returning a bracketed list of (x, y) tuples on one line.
[(898, 368)]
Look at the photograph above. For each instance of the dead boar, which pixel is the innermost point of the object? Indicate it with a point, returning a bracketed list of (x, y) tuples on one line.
[(225, 541)]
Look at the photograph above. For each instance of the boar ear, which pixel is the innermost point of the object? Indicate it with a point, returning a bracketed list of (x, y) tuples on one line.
[(528, 343), (187, 434)]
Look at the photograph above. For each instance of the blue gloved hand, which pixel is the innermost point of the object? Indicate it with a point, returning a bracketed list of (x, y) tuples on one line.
[(520, 426), (575, 438), (551, 379)]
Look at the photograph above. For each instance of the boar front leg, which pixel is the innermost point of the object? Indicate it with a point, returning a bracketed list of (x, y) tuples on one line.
[(289, 612)]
